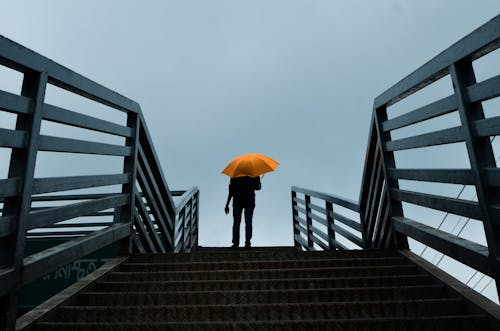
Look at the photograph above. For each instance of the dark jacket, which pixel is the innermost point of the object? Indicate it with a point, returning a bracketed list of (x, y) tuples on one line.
[(242, 189)]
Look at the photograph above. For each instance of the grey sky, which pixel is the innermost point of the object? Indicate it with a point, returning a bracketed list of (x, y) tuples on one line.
[(291, 79)]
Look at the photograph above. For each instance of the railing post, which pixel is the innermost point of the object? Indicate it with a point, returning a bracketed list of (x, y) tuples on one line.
[(22, 165), (387, 158), (481, 156), (125, 214), (330, 220), (196, 220), (295, 214), (310, 242)]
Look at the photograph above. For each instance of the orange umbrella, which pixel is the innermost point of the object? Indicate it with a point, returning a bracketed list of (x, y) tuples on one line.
[(252, 165)]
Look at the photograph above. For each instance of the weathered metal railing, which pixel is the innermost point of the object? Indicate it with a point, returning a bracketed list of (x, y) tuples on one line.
[(474, 130), (144, 215), (319, 224), (382, 213)]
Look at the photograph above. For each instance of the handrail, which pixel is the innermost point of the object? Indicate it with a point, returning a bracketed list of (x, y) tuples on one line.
[(382, 217), (475, 132), (142, 217), (322, 226)]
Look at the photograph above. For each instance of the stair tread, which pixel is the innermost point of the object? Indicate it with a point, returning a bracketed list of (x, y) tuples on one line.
[(141, 263), (284, 304), (403, 266)]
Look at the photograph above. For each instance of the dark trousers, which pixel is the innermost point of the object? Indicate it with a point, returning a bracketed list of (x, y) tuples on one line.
[(237, 210)]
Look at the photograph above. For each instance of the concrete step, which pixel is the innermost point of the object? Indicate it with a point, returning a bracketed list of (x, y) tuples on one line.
[(264, 284), (269, 264), (442, 323), (255, 254), (265, 312), (264, 274), (257, 296)]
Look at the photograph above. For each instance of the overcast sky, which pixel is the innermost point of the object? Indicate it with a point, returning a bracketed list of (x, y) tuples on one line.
[(294, 80)]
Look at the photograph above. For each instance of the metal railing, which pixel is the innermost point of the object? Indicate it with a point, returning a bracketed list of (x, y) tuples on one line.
[(143, 215), (382, 213), (320, 224)]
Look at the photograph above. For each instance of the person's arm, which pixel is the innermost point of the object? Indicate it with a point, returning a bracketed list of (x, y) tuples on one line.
[(257, 185), (229, 196)]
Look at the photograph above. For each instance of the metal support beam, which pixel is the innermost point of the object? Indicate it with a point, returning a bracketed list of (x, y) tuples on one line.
[(481, 157), (22, 165)]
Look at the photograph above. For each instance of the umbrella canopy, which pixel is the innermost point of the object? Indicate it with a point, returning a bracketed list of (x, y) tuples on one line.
[(251, 165)]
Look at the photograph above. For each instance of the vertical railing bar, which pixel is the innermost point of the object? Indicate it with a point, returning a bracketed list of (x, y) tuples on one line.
[(125, 214), (329, 221), (310, 242), (295, 214), (22, 165), (481, 156)]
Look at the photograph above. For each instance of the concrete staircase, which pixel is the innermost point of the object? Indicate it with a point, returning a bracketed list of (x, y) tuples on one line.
[(267, 289)]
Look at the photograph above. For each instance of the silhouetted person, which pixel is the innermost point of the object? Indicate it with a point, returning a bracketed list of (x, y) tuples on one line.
[(242, 191)]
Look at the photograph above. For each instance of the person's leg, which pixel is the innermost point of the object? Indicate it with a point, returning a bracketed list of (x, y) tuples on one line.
[(248, 224), (236, 224)]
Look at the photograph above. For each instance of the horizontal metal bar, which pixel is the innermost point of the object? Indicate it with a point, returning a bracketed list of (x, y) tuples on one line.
[(188, 195), (317, 208), (300, 210), (39, 264), (481, 41), (347, 203), (9, 187), (486, 127), (59, 233), (339, 245), (432, 110), (13, 138), (68, 117), (462, 250), (7, 225), (101, 213), (301, 221), (451, 205), (347, 221), (7, 280), (348, 235), (319, 219), (320, 233), (299, 200), (66, 197), (56, 184), (44, 218), (484, 90), (57, 144), (450, 176), (318, 242), (299, 239), (21, 58), (15, 103), (80, 225), (446, 136)]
